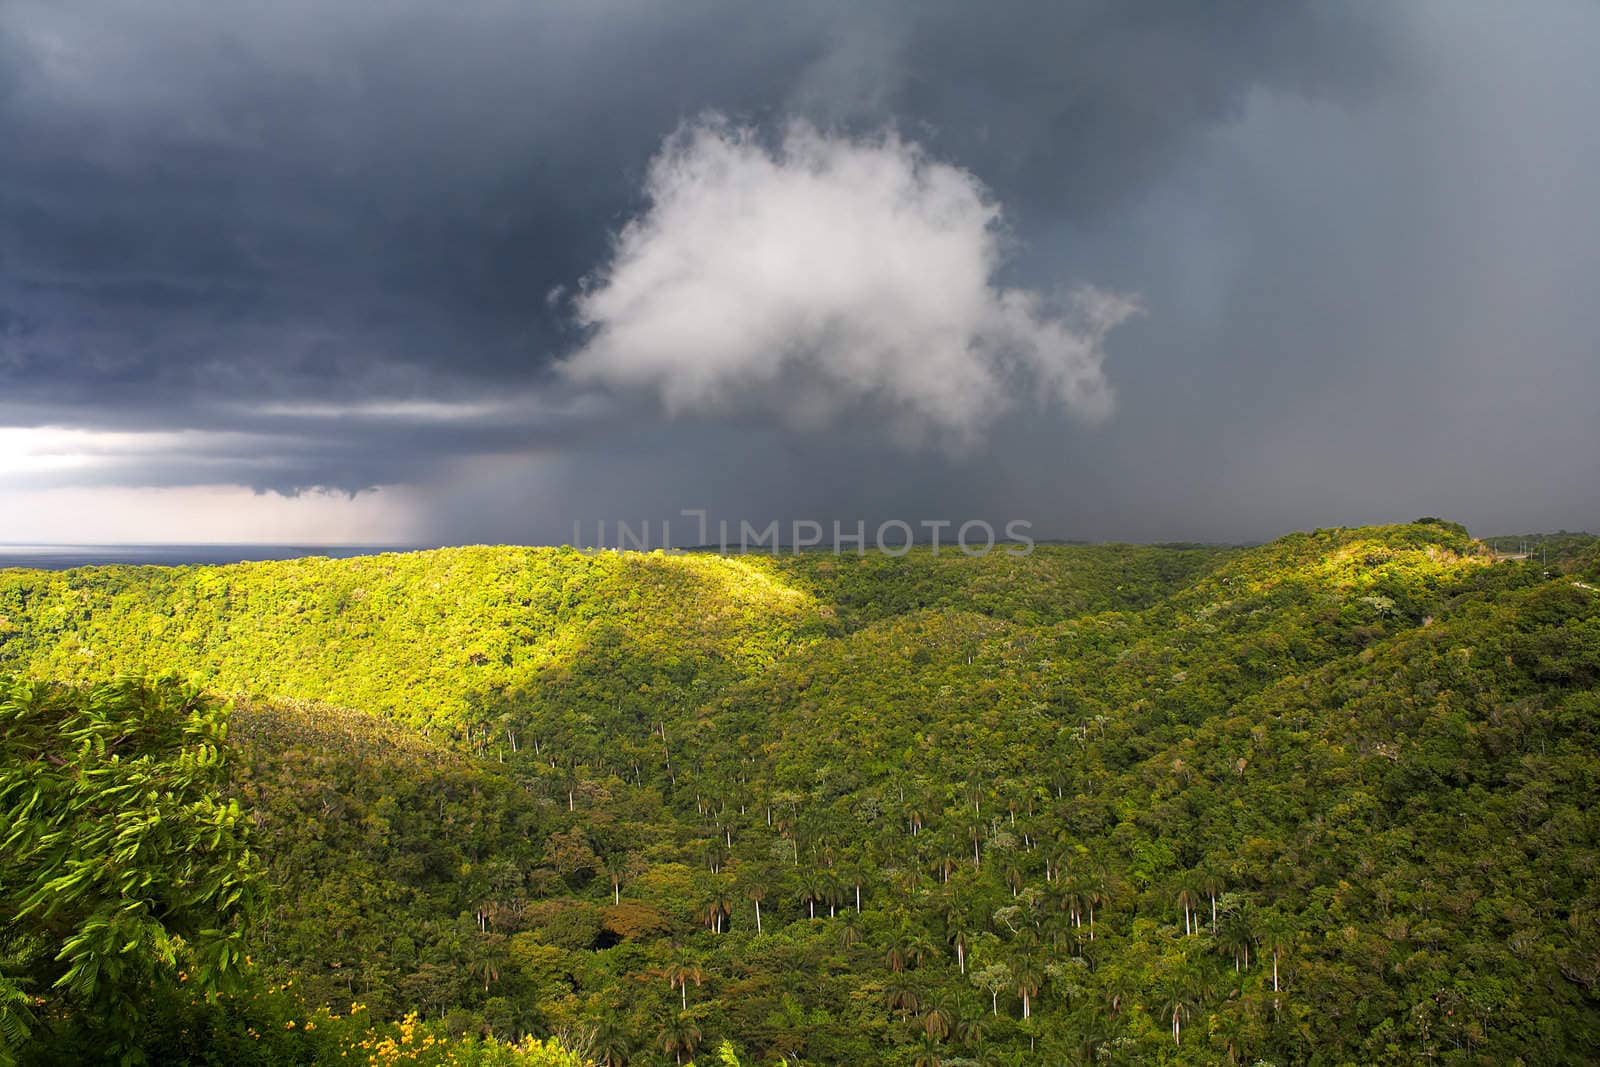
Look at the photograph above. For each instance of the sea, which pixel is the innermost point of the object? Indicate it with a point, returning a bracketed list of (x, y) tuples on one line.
[(65, 557)]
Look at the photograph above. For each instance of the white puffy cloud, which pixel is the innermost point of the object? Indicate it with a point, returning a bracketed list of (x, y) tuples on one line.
[(828, 274)]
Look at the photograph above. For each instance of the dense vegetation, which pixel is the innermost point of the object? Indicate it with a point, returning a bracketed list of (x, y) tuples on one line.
[(1327, 800), (1563, 550)]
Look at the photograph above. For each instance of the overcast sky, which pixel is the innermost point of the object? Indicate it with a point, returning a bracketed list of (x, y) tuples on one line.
[(425, 272)]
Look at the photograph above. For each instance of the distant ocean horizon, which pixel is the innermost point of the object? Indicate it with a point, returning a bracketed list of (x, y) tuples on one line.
[(66, 557)]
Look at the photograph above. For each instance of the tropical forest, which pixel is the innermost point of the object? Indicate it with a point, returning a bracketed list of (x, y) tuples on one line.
[(1324, 800)]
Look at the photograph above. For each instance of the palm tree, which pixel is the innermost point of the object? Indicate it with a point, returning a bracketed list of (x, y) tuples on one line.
[(909, 879), (1057, 926), (1096, 892), (901, 994), (970, 1025), (916, 817), (832, 892), (1177, 1004), (718, 909), (787, 828), (1212, 884), (938, 1018), (1276, 931), (679, 975), (679, 1036), (610, 1046), (975, 834), (1014, 877), (857, 874), (1236, 932), (851, 931), (486, 968), (959, 932), (1186, 902), (812, 889), (1026, 977), (615, 868), (897, 957), (1069, 897), (756, 890), (919, 949)]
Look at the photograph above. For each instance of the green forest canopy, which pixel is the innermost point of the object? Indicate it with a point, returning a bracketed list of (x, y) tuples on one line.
[(1325, 800)]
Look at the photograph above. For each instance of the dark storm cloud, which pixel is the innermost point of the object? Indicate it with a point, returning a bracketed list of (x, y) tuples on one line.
[(214, 215), (356, 199)]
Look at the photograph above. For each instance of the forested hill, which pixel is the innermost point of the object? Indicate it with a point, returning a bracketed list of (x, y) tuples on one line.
[(458, 635), (1326, 800)]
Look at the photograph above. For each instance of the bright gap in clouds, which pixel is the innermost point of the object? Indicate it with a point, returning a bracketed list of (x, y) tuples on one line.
[(827, 273), (417, 410), (206, 514), (45, 456), (52, 491), (28, 451)]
